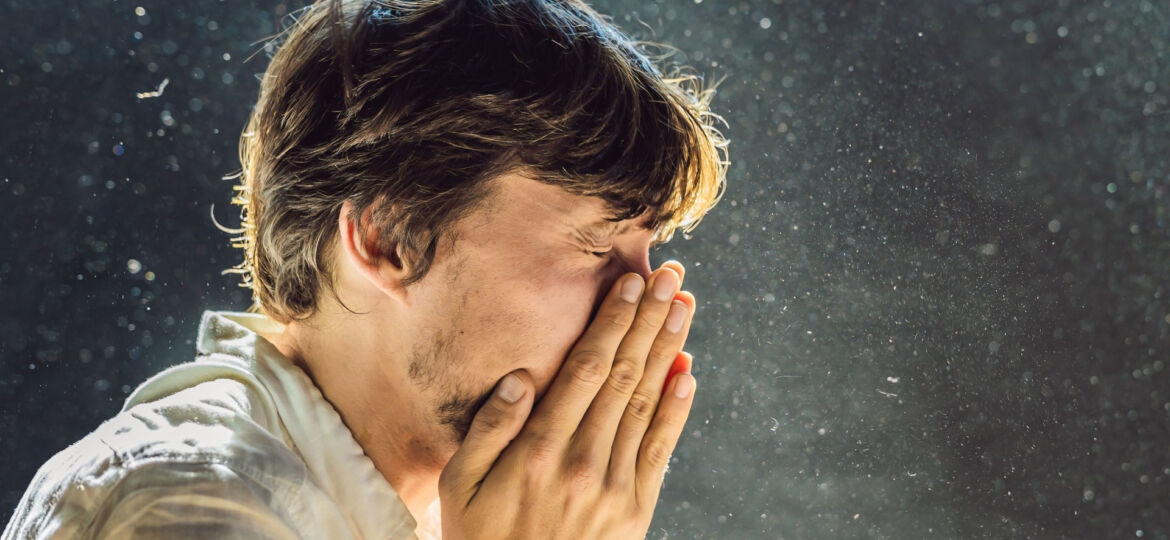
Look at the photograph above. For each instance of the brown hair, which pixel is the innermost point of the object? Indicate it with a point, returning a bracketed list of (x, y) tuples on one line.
[(408, 106)]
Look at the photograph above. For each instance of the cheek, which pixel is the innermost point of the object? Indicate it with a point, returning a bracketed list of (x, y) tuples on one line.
[(551, 309), (566, 305), (562, 306), (565, 294)]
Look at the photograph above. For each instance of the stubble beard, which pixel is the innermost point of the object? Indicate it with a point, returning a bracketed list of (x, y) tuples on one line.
[(432, 365)]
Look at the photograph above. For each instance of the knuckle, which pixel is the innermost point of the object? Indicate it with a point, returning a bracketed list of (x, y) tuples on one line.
[(583, 472), (590, 367), (542, 451), (618, 318), (625, 376), (617, 481), (491, 419), (657, 452), (641, 406), (665, 350), (648, 322)]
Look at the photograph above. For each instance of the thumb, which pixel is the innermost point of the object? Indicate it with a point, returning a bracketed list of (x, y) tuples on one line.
[(498, 421)]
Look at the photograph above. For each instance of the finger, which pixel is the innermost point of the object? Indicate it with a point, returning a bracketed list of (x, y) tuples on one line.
[(588, 365), (682, 277), (678, 268), (641, 407), (662, 438), (595, 436), (496, 423), (658, 373), (682, 364)]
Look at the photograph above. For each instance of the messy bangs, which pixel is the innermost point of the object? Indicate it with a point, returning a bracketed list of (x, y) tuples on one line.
[(639, 140), (660, 154), (590, 111)]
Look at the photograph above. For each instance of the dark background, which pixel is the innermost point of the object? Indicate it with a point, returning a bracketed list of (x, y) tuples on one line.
[(933, 301)]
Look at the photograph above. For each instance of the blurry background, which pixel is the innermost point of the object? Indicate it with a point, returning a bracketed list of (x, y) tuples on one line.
[(934, 301)]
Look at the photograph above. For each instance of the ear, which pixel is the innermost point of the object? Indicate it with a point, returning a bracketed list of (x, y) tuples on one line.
[(384, 271)]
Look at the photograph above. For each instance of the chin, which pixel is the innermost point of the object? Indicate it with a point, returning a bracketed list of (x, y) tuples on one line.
[(457, 413)]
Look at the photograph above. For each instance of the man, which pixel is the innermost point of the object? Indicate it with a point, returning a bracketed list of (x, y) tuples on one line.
[(448, 209)]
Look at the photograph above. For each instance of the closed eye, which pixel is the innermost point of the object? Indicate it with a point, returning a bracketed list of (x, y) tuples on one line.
[(601, 253)]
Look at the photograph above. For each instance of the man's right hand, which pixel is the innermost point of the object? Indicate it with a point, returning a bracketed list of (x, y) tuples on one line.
[(590, 459)]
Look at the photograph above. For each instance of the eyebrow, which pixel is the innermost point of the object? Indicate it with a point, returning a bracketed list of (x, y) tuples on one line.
[(606, 228)]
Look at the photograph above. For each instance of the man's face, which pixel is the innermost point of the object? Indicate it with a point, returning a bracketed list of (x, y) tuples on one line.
[(516, 290)]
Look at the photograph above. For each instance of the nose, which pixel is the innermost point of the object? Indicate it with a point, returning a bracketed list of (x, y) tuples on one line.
[(638, 263)]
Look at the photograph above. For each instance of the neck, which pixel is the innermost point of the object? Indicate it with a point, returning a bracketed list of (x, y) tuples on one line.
[(372, 394)]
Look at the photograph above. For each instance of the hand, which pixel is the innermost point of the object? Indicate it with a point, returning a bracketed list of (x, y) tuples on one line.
[(589, 462)]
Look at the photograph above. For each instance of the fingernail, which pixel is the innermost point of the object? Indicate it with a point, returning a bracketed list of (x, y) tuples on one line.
[(631, 289), (664, 285), (676, 317), (683, 387), (510, 389)]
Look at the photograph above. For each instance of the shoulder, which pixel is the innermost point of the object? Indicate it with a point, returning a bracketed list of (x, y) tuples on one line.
[(193, 500), (198, 454), (211, 422), (146, 500)]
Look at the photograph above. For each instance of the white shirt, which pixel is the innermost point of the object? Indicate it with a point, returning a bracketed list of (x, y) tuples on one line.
[(238, 444)]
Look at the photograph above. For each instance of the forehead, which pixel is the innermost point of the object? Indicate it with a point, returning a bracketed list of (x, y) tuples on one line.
[(538, 204)]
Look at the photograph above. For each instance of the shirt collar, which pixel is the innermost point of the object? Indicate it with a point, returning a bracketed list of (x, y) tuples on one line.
[(334, 459)]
